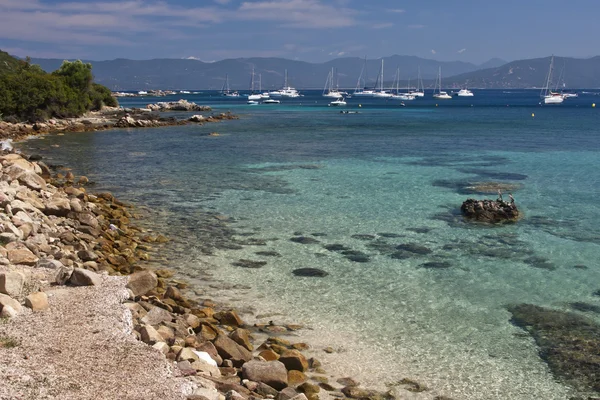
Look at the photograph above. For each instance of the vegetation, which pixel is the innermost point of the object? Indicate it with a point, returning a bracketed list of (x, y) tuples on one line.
[(27, 93)]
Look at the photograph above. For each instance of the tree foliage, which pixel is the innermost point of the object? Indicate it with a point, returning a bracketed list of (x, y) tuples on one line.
[(29, 93)]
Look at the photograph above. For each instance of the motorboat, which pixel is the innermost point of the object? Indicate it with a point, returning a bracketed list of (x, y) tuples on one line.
[(286, 90), (338, 102), (252, 102), (271, 101), (464, 93)]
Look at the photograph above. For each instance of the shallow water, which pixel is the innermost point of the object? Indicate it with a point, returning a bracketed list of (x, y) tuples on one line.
[(370, 182)]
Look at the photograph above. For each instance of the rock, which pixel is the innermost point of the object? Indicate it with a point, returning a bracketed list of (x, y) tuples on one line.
[(37, 301), (273, 373), (269, 355), (181, 105), (187, 354), (32, 181), (161, 347), (8, 312), (63, 274), (49, 263), (87, 218), (310, 272), (304, 240), (87, 255), (244, 263), (173, 293), (211, 350), (355, 392), (242, 337), (490, 211), (206, 368), (142, 282), (230, 318), (569, 343), (9, 301), (228, 349), (296, 377), (57, 206), (288, 393), (413, 248), (157, 315), (18, 253), (83, 277), (11, 283), (293, 359), (266, 391), (436, 265), (150, 335), (196, 118), (310, 390), (233, 395)]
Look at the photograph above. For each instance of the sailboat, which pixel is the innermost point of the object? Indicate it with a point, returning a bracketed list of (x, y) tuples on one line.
[(547, 95), (420, 92), (330, 89), (361, 89), (286, 90), (440, 94), (253, 95), (398, 95), (381, 93), (225, 91)]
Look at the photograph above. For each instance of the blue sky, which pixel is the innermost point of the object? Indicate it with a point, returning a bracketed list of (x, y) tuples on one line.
[(308, 30)]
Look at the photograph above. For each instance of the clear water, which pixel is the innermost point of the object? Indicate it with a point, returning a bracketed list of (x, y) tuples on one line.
[(397, 174)]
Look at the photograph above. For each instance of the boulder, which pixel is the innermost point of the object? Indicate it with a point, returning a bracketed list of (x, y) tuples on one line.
[(37, 301), (7, 312), (228, 349), (9, 301), (230, 318), (142, 282), (187, 354), (32, 181), (11, 283), (242, 337), (273, 373), (161, 347), (293, 359), (83, 277), (150, 335), (156, 315), (18, 253), (57, 206), (490, 211)]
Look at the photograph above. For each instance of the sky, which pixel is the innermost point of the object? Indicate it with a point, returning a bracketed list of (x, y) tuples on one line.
[(307, 30)]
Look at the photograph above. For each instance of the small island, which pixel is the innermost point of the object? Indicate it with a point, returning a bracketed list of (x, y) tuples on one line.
[(490, 211)]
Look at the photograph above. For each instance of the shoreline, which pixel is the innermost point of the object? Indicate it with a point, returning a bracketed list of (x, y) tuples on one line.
[(164, 294)]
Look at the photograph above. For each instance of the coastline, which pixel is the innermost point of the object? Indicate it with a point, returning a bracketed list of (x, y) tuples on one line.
[(90, 248)]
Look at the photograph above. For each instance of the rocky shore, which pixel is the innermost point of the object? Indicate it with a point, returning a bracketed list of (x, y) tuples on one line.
[(113, 117), (84, 316)]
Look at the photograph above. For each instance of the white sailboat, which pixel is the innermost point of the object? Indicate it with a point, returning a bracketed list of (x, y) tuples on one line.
[(398, 95), (420, 92), (330, 89), (440, 93), (286, 90), (263, 95), (225, 91), (253, 95), (361, 89), (547, 95), (381, 93)]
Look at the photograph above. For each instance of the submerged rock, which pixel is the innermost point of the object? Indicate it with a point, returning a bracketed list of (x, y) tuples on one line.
[(491, 211), (310, 272), (304, 240), (249, 263), (568, 342)]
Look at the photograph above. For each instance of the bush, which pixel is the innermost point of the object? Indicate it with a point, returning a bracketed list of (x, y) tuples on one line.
[(31, 94)]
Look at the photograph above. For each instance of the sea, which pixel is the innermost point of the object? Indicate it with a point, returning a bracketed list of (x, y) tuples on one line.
[(341, 190)]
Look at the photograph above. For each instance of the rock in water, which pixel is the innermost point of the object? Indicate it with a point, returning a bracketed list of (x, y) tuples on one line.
[(312, 272), (491, 211)]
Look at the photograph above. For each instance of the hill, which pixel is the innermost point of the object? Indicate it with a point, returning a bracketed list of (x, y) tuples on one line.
[(122, 74), (8, 63), (572, 72)]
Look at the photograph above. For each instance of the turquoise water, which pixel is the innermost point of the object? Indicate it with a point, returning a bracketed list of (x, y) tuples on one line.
[(369, 182)]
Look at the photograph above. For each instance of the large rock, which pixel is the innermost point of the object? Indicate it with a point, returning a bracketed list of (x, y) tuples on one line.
[(11, 283), (273, 373), (228, 349), (37, 301), (142, 282), (491, 211), (242, 337), (83, 277), (32, 181), (156, 315), (9, 301), (18, 253), (58, 206), (293, 359), (150, 335)]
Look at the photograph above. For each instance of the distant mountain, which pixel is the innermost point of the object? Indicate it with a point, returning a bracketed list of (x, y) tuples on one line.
[(492, 63), (122, 74), (568, 72)]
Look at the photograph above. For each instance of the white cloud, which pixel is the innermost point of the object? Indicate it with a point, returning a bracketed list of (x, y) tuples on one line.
[(415, 26), (433, 51), (461, 51), (337, 53), (396, 10)]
